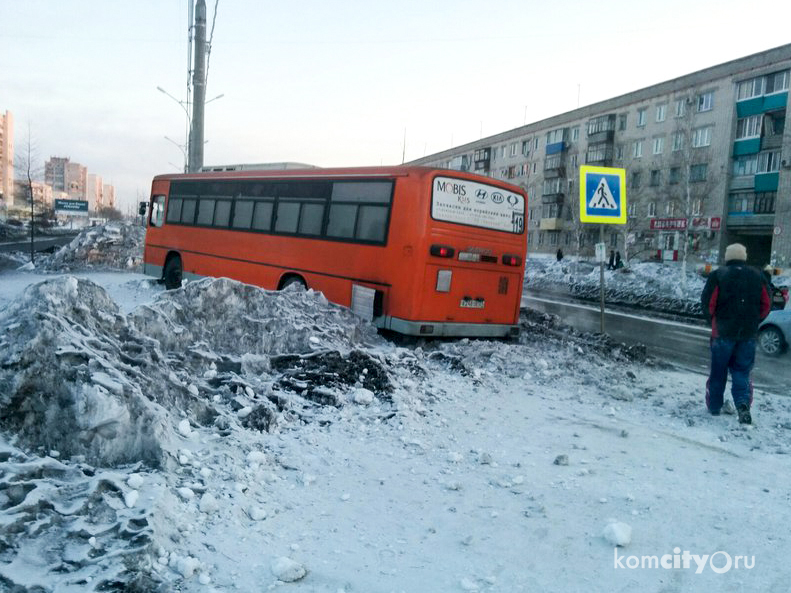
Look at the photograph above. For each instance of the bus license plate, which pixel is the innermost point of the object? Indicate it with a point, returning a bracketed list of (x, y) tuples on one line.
[(472, 303)]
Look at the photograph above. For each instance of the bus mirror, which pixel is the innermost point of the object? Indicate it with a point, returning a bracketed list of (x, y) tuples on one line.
[(142, 208)]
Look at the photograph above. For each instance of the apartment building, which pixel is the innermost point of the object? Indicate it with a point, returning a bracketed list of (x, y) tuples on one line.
[(6, 159), (63, 175), (707, 159)]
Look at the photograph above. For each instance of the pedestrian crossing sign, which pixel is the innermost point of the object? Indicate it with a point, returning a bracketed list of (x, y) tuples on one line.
[(602, 195)]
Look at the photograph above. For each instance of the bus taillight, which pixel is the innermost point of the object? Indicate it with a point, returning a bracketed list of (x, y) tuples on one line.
[(442, 251), (512, 260)]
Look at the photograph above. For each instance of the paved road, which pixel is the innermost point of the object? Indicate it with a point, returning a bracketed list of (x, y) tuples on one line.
[(683, 344), (42, 242)]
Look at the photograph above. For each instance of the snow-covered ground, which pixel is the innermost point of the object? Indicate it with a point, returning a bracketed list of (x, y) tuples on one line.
[(648, 285), (225, 438)]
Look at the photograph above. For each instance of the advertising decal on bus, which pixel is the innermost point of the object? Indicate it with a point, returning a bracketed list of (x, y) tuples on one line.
[(475, 204)]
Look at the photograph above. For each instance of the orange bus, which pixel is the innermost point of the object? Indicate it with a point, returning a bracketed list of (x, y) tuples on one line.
[(415, 250)]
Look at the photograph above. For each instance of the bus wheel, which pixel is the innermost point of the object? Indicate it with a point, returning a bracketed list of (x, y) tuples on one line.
[(172, 274), (294, 281)]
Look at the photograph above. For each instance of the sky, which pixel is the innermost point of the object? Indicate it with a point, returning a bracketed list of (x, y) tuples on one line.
[(346, 83)]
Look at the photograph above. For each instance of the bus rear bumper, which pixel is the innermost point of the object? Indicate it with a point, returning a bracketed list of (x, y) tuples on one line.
[(444, 329)]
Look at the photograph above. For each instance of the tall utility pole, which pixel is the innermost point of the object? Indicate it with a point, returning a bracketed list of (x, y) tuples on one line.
[(199, 89)]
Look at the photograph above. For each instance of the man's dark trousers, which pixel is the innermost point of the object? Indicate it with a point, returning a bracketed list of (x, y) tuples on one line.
[(738, 357)]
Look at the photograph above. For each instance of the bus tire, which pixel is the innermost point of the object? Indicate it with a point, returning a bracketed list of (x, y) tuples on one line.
[(172, 273), (293, 280)]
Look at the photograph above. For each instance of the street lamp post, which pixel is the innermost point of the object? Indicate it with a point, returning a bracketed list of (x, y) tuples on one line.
[(185, 148)]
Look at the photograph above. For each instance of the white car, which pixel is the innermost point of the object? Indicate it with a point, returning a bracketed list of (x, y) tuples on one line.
[(775, 332)]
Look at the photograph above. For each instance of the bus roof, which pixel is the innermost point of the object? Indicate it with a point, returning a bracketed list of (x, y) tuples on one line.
[(345, 172)]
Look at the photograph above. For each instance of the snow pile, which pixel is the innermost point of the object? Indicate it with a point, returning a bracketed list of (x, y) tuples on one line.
[(89, 396), (113, 245), (652, 286)]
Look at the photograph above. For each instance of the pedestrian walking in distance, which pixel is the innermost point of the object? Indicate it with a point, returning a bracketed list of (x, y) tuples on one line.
[(734, 301), (559, 254)]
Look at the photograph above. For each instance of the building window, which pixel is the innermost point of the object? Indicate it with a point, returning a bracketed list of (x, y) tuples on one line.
[(777, 82), (622, 122), (619, 152), (575, 134), (641, 117), (675, 174), (748, 127), (637, 149), (659, 145), (701, 137), (681, 107), (514, 148), (769, 162), (535, 145), (574, 160), (540, 237), (555, 136), (656, 177), (631, 209), (750, 88), (660, 113), (698, 172), (765, 202), (745, 165), (526, 148), (651, 209), (635, 179), (706, 101), (670, 208), (553, 186), (696, 207), (678, 141)]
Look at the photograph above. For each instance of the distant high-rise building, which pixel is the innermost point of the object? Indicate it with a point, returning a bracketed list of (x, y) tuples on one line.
[(108, 196), (63, 175), (6, 159), (93, 192)]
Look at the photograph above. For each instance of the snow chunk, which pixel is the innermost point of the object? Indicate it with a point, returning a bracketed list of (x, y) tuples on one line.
[(208, 504), (257, 514), (184, 428), (363, 396), (135, 481), (617, 533), (184, 566), (130, 498), (287, 570), (186, 493), (256, 457)]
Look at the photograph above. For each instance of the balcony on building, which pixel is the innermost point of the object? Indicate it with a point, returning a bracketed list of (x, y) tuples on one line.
[(601, 129), (752, 210), (554, 166), (482, 159), (600, 154)]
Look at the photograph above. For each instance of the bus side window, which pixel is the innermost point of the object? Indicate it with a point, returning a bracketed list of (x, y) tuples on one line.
[(222, 213), (174, 210), (242, 214), (158, 211), (372, 223)]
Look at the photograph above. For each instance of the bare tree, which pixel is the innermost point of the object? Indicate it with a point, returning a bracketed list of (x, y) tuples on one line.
[(691, 176), (27, 169)]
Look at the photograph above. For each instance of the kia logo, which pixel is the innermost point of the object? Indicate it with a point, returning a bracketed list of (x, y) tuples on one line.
[(497, 197)]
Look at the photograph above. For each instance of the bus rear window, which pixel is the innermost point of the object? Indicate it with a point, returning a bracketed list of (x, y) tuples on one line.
[(476, 204)]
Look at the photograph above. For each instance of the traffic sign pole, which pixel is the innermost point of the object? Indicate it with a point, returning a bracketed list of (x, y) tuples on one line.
[(601, 280), (602, 201)]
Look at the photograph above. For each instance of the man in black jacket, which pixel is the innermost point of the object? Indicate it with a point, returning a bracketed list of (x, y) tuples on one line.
[(734, 300)]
